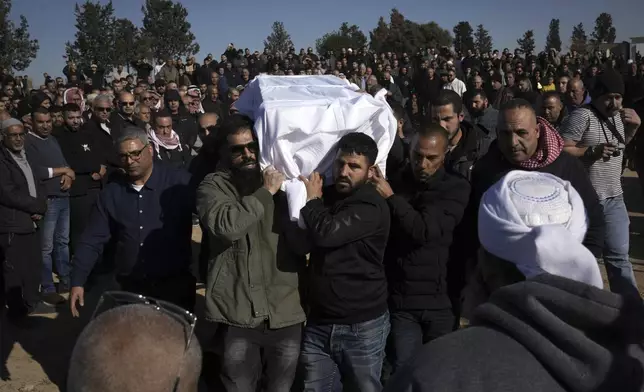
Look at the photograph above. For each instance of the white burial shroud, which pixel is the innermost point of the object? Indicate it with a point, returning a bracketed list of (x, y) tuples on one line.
[(300, 119)]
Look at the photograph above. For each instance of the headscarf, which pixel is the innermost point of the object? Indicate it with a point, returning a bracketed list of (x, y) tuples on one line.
[(67, 97), (537, 222), (168, 142), (550, 147)]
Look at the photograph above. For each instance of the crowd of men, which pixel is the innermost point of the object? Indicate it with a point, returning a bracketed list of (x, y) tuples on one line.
[(118, 173)]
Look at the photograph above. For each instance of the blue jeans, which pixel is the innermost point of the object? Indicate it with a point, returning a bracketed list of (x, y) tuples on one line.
[(616, 247), (410, 329), (339, 357), (55, 243)]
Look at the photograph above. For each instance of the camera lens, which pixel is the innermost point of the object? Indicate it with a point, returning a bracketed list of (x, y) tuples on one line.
[(617, 153)]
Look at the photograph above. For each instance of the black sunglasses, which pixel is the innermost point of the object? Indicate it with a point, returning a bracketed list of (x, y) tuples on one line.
[(127, 103), (238, 150), (102, 109)]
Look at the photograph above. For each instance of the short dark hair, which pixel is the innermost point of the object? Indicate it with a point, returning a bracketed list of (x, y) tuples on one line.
[(449, 97), (474, 93), (359, 144), (234, 124), (433, 130), (552, 94), (39, 110), (55, 109), (71, 107), (516, 103), (162, 114)]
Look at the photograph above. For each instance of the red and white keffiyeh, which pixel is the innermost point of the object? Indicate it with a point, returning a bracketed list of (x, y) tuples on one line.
[(550, 147)]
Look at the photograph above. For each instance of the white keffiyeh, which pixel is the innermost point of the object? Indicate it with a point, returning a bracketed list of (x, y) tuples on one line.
[(537, 221)]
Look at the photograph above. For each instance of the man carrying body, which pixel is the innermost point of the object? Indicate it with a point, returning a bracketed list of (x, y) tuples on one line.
[(252, 282), (344, 338)]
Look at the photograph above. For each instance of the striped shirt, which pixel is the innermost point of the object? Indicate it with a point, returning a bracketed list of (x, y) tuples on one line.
[(583, 126)]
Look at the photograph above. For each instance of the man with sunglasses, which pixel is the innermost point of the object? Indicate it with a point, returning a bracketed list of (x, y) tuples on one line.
[(124, 117), (100, 127), (253, 275), (148, 218)]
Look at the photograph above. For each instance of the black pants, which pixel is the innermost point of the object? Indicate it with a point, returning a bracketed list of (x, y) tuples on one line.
[(80, 208), (412, 328), (248, 351), (179, 289), (21, 270)]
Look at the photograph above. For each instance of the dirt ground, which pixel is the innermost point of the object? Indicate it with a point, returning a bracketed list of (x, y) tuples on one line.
[(37, 356)]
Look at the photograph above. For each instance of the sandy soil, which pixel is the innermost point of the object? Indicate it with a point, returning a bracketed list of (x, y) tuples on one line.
[(37, 356)]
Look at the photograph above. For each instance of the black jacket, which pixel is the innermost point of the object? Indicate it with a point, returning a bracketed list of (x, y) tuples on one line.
[(16, 204), (494, 166), (178, 159), (349, 236), (104, 142), (118, 123), (473, 146), (423, 218), (84, 155), (548, 334)]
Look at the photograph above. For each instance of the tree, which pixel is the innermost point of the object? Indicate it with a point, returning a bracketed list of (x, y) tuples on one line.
[(604, 31), (579, 40), (127, 40), (94, 39), (404, 36), (553, 40), (279, 40), (166, 29), (483, 40), (17, 49), (463, 37), (526, 44), (345, 37)]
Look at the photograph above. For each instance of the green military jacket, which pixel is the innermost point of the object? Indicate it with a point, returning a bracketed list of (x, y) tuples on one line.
[(253, 274)]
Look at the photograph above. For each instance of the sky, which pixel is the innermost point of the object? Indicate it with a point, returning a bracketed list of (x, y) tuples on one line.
[(246, 23)]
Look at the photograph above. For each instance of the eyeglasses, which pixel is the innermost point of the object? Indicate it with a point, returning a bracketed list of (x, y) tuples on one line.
[(134, 155), (127, 103), (112, 299), (102, 109), (146, 98)]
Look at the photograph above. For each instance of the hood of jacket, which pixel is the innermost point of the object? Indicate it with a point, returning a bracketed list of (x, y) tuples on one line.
[(587, 338)]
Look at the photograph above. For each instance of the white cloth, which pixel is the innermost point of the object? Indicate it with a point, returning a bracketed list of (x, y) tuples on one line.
[(299, 120), (456, 85), (537, 221)]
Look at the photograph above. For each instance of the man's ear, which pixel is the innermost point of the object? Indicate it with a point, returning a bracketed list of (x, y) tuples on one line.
[(371, 173), (461, 116)]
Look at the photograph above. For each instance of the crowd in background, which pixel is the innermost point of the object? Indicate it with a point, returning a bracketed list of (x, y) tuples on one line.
[(120, 166)]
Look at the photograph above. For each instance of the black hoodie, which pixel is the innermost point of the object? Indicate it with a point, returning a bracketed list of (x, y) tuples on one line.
[(183, 123), (548, 334)]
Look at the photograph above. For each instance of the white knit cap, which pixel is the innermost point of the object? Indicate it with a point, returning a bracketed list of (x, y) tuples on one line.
[(537, 221)]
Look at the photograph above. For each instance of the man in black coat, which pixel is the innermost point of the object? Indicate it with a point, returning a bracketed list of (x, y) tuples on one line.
[(522, 138), (348, 288), (23, 202), (426, 204)]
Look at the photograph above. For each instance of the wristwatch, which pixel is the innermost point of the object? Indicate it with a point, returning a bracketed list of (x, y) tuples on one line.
[(590, 152)]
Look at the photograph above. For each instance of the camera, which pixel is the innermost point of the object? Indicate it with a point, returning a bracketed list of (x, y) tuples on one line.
[(617, 152)]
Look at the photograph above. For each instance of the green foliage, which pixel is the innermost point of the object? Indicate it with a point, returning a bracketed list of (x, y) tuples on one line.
[(526, 43), (17, 49), (279, 40), (402, 35), (579, 40), (604, 30), (126, 42), (463, 37), (483, 40), (553, 40), (345, 37), (166, 30), (94, 39)]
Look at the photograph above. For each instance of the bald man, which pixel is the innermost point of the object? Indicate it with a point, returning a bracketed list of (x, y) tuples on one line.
[(124, 117), (577, 94), (135, 348)]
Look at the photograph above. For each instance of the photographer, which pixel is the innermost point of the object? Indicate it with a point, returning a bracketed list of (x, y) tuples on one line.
[(598, 133)]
